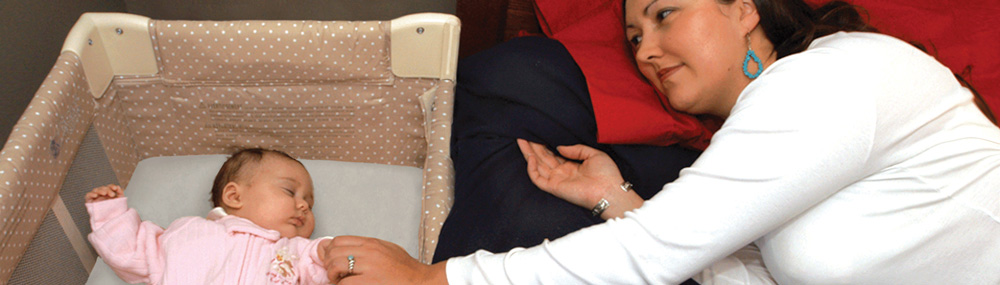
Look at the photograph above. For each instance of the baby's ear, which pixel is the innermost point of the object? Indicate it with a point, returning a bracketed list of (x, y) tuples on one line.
[(231, 196)]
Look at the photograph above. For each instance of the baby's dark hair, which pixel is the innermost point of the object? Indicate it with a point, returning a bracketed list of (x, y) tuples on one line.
[(238, 166)]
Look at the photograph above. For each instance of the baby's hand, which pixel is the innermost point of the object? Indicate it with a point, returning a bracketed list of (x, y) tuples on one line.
[(323, 248), (102, 193)]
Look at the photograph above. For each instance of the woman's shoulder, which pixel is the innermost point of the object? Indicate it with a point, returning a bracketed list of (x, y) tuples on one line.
[(858, 40), (855, 50), (858, 57)]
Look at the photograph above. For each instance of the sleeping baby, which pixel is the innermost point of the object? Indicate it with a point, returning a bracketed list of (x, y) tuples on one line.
[(257, 233)]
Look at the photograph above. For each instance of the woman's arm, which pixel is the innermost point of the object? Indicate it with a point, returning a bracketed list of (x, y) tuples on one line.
[(793, 140)]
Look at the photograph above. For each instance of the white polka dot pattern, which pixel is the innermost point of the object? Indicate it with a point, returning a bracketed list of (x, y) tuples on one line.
[(345, 122), (272, 51), (318, 90), (37, 156), (439, 172)]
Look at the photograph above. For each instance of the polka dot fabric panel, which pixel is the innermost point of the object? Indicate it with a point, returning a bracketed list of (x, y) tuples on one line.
[(37, 156), (272, 51), (348, 121), (439, 175)]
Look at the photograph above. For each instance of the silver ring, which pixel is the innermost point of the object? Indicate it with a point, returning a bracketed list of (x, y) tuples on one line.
[(350, 264)]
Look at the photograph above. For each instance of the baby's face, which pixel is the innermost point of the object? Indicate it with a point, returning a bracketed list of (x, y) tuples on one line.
[(280, 197)]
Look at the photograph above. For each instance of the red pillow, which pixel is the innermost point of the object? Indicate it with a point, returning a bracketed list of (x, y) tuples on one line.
[(961, 34), (629, 110)]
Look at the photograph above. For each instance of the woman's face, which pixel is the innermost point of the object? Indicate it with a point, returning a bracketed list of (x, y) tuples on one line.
[(690, 50)]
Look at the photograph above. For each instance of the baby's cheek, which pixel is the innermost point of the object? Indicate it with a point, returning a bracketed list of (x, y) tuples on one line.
[(310, 225)]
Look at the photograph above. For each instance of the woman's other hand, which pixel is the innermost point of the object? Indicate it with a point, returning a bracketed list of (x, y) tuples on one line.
[(583, 184), (377, 261)]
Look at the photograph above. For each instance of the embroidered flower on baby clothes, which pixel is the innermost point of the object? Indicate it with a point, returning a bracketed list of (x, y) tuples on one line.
[(282, 268)]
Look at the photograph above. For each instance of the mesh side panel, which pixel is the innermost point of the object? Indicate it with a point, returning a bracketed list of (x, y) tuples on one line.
[(89, 169), (50, 258)]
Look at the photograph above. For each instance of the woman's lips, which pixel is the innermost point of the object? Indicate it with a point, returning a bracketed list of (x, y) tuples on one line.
[(665, 73)]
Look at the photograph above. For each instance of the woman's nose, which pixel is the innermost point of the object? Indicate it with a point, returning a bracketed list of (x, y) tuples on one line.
[(646, 51)]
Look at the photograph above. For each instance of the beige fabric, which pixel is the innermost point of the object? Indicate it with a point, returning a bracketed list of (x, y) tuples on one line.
[(37, 155), (318, 90), (439, 177), (251, 52), (346, 122)]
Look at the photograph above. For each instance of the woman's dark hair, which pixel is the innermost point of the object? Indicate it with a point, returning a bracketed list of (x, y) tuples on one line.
[(236, 168), (791, 25)]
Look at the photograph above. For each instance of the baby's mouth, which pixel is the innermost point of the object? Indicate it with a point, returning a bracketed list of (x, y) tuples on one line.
[(298, 221)]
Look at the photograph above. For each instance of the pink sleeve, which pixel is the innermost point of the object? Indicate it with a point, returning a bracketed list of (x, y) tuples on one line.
[(127, 244), (312, 270)]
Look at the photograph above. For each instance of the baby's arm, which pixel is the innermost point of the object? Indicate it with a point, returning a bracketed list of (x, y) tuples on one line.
[(312, 266), (127, 244)]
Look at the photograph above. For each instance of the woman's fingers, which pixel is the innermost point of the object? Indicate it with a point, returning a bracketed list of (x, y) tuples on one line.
[(579, 152), (544, 155), (349, 240), (338, 252), (338, 261), (536, 171), (374, 262)]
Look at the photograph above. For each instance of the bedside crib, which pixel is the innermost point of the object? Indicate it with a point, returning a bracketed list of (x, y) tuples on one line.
[(127, 88)]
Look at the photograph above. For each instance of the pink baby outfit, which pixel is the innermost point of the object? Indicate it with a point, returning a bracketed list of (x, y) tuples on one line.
[(222, 249)]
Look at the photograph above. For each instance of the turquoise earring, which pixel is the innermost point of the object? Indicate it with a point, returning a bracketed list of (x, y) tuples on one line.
[(746, 60)]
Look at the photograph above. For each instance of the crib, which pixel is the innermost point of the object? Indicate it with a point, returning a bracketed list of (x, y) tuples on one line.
[(127, 88)]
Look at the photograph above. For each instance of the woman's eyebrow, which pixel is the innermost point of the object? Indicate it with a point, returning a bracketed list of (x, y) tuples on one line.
[(645, 11)]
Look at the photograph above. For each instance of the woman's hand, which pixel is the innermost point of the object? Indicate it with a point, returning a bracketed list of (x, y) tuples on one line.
[(102, 193), (583, 184), (377, 262)]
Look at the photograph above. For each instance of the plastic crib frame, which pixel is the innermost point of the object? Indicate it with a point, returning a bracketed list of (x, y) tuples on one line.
[(127, 88)]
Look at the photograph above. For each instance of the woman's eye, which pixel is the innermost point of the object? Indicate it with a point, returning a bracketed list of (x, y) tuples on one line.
[(635, 40), (663, 14)]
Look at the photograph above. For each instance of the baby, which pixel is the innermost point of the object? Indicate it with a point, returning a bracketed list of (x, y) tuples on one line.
[(257, 233)]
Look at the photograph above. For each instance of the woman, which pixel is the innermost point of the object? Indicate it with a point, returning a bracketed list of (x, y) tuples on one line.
[(847, 157)]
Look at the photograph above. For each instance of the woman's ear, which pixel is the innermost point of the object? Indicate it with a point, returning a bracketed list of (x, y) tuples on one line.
[(231, 198), (749, 16)]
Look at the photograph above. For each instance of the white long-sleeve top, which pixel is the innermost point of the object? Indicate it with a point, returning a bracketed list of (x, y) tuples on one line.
[(858, 161)]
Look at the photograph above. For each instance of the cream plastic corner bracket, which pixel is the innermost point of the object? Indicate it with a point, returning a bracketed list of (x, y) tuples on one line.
[(110, 44), (425, 45)]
